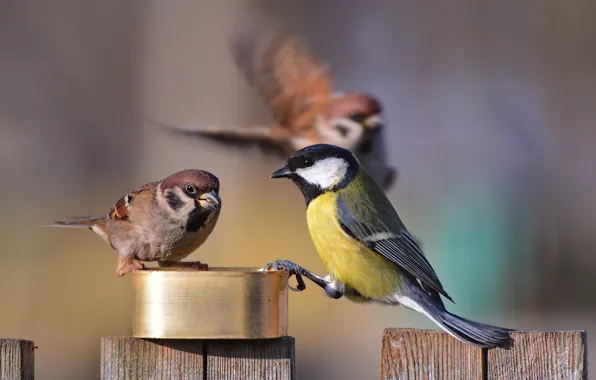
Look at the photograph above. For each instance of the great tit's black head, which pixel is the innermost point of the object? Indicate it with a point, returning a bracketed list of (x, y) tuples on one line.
[(319, 168)]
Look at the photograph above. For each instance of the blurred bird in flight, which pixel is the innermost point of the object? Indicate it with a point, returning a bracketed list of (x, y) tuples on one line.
[(298, 90)]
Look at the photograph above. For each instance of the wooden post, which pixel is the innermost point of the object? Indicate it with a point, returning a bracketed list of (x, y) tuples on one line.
[(541, 355), (135, 358), (432, 354), (17, 359), (427, 354)]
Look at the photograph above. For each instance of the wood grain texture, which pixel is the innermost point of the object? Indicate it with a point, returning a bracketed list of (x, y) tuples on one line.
[(541, 355), (271, 359), (428, 354), (17, 359), (134, 358)]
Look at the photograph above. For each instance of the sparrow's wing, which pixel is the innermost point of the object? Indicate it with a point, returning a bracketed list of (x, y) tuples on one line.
[(268, 136), (121, 209), (371, 219), (282, 69)]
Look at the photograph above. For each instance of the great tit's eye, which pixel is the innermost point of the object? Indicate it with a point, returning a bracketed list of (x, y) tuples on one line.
[(308, 161), (190, 189)]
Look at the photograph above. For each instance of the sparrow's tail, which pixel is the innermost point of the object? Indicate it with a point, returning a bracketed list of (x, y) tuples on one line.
[(474, 333), (78, 222)]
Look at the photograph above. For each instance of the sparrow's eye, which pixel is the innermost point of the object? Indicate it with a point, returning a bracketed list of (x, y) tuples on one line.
[(358, 117), (190, 189)]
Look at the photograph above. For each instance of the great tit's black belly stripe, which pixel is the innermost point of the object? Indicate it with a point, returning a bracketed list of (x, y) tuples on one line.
[(196, 219)]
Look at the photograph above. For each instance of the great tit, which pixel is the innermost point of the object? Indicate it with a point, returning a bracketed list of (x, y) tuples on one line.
[(368, 252)]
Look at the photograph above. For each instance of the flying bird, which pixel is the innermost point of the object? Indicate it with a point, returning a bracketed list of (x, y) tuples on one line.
[(298, 90)]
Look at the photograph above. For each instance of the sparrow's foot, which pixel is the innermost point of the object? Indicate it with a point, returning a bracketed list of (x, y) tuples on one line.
[(127, 264), (197, 265), (290, 267)]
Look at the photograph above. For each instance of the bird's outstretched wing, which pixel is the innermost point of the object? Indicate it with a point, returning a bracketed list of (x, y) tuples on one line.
[(271, 138), (282, 69), (372, 220)]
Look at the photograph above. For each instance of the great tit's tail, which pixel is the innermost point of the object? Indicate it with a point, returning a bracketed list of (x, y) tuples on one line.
[(474, 333)]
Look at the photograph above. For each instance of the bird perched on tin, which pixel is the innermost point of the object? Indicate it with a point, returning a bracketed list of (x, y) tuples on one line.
[(368, 252), (298, 90), (162, 221)]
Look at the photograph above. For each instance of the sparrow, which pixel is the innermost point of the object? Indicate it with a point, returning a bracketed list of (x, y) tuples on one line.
[(367, 250), (298, 90), (163, 221)]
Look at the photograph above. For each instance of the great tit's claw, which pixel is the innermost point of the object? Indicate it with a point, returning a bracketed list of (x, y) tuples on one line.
[(300, 286), (290, 267)]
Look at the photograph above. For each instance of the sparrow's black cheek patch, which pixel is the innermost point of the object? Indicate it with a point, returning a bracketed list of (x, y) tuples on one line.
[(174, 201), (196, 219), (342, 130)]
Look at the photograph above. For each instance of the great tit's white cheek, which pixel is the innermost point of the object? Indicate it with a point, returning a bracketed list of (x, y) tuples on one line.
[(325, 173)]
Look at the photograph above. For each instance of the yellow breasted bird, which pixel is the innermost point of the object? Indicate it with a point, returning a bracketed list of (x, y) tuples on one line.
[(368, 252)]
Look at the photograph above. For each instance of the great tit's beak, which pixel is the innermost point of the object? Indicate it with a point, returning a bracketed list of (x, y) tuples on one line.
[(209, 201), (281, 173)]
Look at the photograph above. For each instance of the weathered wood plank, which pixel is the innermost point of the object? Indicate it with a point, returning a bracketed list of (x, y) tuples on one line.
[(541, 355), (135, 358), (428, 354), (271, 359), (151, 359), (17, 359)]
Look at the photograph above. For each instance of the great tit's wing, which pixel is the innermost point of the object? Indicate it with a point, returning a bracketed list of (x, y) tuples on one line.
[(371, 219), (282, 68)]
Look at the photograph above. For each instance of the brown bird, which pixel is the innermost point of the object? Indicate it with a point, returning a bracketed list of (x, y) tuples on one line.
[(162, 221), (298, 91)]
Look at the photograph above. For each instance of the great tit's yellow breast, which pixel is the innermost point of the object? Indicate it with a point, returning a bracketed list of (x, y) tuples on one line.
[(346, 259)]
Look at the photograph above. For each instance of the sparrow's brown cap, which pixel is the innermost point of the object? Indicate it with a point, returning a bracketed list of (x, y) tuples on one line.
[(353, 104), (201, 179)]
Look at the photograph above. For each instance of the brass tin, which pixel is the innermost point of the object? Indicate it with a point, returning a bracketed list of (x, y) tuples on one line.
[(221, 303)]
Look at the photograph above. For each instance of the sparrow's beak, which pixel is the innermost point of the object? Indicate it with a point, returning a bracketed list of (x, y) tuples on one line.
[(209, 201), (374, 122), (281, 173)]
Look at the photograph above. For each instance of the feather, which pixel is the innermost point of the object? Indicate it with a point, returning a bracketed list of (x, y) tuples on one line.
[(373, 221), (282, 69), (120, 210)]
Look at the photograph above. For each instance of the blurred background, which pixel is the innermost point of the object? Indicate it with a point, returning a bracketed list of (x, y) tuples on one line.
[(492, 126)]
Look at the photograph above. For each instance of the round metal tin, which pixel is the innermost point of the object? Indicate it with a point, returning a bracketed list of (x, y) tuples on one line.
[(221, 303)]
